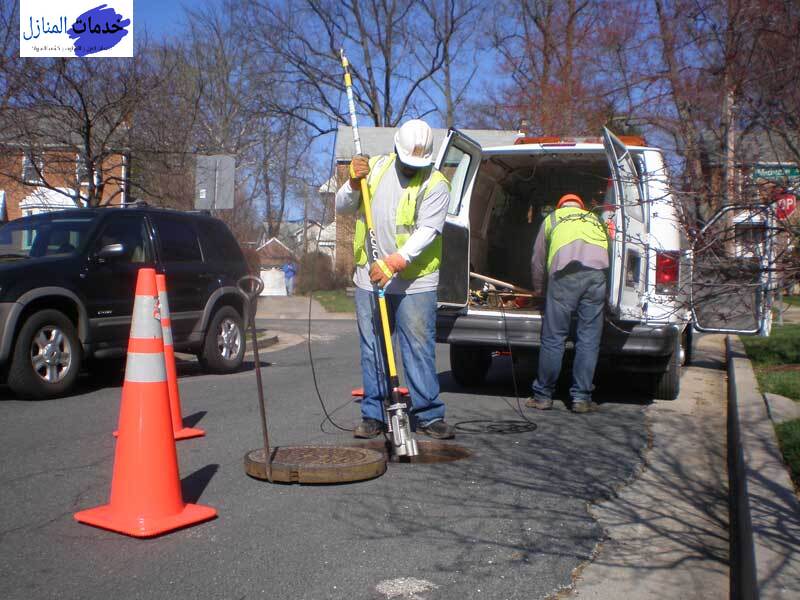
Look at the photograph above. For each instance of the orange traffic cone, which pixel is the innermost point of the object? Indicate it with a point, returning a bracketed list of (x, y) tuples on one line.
[(181, 432), (146, 497)]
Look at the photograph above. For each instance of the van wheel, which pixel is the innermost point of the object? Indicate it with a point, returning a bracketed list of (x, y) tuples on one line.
[(469, 364), (687, 344), (46, 358), (223, 348), (666, 385)]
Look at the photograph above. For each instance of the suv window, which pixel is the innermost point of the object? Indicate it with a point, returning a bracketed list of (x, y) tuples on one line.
[(218, 243), (178, 239), (42, 237), (131, 233)]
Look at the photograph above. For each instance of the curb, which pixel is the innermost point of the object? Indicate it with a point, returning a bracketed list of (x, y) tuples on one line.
[(764, 510), (265, 342)]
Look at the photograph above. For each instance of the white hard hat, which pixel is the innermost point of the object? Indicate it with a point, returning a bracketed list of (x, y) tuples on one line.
[(414, 143)]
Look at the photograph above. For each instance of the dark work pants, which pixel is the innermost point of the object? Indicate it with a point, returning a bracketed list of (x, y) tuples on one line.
[(582, 290)]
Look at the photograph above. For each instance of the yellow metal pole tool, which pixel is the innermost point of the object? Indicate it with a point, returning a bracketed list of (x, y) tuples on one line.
[(399, 426)]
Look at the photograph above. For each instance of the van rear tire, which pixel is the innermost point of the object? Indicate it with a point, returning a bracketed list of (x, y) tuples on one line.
[(469, 364), (666, 385)]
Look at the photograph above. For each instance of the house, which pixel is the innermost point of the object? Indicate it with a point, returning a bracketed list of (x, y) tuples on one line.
[(766, 169), (300, 238), (374, 141), (42, 167), (274, 253)]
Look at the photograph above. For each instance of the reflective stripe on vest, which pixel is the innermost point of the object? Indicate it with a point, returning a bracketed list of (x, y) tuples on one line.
[(405, 218), (571, 223)]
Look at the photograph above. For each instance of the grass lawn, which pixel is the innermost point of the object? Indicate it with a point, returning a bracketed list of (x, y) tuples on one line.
[(789, 439), (335, 300), (792, 300), (776, 360)]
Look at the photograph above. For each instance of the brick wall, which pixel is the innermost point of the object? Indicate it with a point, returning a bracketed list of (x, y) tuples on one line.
[(345, 227), (58, 171)]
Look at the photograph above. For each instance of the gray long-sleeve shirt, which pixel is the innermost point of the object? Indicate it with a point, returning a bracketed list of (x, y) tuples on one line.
[(431, 213), (589, 255)]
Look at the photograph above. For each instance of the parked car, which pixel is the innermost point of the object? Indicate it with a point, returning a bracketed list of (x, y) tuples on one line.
[(499, 198), (67, 283)]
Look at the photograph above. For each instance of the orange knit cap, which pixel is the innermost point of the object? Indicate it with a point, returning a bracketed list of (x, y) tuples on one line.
[(570, 198)]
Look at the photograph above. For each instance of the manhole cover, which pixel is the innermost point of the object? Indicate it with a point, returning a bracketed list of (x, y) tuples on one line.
[(429, 452), (317, 464)]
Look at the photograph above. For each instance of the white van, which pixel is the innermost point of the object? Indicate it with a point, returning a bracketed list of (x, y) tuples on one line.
[(499, 198)]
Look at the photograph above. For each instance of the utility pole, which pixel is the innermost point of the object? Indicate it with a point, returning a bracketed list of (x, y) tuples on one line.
[(305, 220)]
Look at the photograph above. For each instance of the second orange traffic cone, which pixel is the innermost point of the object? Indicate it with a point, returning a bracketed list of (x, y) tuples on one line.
[(146, 498), (181, 432)]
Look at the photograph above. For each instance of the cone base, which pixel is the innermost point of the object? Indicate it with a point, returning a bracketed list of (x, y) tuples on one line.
[(142, 527), (189, 432)]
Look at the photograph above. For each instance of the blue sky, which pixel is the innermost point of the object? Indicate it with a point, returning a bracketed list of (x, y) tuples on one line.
[(163, 18)]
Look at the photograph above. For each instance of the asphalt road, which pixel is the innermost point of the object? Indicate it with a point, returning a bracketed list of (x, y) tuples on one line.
[(511, 521)]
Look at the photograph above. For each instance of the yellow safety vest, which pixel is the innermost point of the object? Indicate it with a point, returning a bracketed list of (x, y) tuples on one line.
[(565, 225), (405, 218)]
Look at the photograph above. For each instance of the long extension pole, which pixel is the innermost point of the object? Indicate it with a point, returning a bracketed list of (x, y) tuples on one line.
[(399, 427)]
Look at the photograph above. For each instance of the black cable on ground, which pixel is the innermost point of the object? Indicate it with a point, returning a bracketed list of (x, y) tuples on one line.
[(502, 426)]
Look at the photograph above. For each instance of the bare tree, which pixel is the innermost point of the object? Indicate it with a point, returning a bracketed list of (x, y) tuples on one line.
[(379, 38), (455, 25)]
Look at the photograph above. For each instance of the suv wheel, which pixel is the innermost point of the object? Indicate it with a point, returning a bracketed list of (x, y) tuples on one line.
[(46, 358), (223, 348), (469, 364)]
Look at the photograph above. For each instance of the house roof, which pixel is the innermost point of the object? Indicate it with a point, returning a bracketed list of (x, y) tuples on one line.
[(380, 140), (756, 146), (56, 127), (274, 249)]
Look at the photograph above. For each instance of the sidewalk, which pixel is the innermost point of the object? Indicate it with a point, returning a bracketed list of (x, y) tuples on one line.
[(294, 307), (667, 531)]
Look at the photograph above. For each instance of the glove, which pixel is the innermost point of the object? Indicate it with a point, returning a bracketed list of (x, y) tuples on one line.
[(383, 269), (359, 168)]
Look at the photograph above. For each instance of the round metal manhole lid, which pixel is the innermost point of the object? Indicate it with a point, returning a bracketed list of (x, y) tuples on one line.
[(317, 464)]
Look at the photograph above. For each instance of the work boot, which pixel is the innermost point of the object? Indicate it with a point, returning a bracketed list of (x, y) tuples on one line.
[(368, 429), (540, 403), (438, 430), (583, 406)]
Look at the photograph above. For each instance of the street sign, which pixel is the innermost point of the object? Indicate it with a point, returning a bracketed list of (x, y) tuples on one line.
[(785, 205), (214, 179), (781, 174)]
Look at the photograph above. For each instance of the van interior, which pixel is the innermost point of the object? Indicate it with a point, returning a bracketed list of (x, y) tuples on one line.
[(512, 196)]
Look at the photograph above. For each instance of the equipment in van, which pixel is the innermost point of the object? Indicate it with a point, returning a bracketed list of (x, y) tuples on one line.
[(398, 422)]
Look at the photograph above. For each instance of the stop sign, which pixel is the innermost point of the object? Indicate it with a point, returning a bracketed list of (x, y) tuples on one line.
[(785, 205)]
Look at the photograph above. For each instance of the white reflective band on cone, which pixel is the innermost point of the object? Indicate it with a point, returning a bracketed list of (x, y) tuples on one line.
[(145, 368), (145, 324), (166, 331)]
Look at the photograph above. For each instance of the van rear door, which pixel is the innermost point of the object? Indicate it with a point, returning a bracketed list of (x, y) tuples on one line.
[(732, 271), (628, 233), (459, 159)]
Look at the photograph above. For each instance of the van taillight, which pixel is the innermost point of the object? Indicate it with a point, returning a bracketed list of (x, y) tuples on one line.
[(667, 271)]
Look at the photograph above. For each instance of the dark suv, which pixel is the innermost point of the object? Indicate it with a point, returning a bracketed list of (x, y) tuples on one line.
[(67, 282)]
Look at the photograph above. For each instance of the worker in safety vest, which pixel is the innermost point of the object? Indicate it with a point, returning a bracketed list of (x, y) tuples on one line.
[(409, 206), (570, 256)]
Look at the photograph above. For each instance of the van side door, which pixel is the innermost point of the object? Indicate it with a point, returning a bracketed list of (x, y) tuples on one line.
[(459, 158), (627, 233), (732, 282)]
